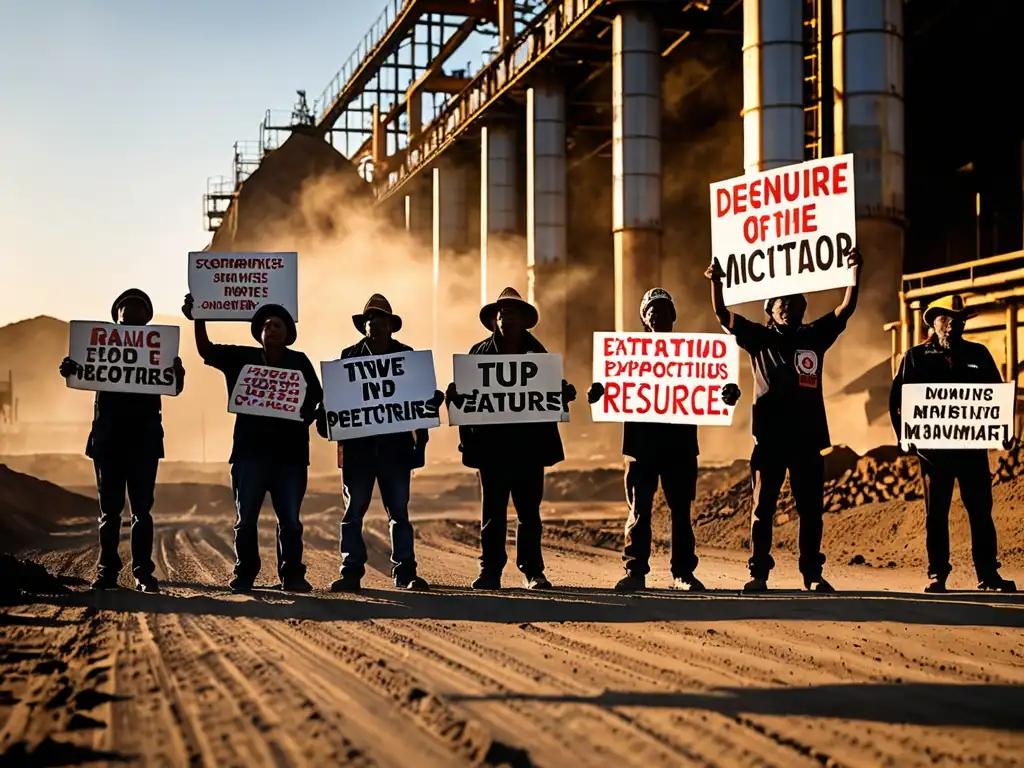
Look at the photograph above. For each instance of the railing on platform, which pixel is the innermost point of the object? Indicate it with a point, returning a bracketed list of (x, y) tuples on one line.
[(220, 191), (557, 22), (993, 287), (378, 31)]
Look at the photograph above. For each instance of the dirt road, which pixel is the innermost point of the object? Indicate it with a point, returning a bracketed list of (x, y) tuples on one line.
[(581, 676)]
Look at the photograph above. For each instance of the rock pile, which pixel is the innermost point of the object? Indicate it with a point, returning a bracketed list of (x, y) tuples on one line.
[(1010, 466)]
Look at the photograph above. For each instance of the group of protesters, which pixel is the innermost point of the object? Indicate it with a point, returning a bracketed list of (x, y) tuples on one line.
[(790, 431)]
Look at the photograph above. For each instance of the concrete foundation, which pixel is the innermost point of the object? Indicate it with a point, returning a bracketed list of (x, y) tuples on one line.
[(546, 211), (636, 161)]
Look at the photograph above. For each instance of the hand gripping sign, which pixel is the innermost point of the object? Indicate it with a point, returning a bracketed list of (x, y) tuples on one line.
[(674, 378), (264, 391), (379, 395), (957, 416), (785, 231), (508, 389), (232, 286), (124, 358)]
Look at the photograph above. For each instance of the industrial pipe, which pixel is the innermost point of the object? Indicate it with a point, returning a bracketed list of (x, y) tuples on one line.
[(773, 102), (636, 160)]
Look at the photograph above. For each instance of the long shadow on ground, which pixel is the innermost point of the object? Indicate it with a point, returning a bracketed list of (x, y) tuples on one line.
[(927, 704), (575, 605)]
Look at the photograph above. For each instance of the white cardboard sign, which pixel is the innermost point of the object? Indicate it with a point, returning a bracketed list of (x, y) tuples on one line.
[(957, 416), (124, 358), (785, 231), (232, 286), (379, 394), (264, 391), (508, 389), (674, 378)]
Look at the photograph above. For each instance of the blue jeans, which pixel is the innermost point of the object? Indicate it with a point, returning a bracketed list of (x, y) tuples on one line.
[(394, 484), (251, 480), (115, 476)]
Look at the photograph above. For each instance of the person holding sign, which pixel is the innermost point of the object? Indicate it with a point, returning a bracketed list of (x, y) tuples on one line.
[(790, 427), (664, 451), (126, 444), (948, 358), (386, 460), (268, 454), (511, 458)]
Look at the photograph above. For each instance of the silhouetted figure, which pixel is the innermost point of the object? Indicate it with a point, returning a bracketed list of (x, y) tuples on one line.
[(126, 444), (948, 358), (510, 458), (268, 455), (664, 451), (790, 427), (385, 460)]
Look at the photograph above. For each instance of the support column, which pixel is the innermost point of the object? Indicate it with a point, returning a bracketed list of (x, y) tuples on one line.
[(506, 22), (773, 101), (636, 161), (419, 210), (546, 211), (498, 219), (1011, 340), (450, 238), (867, 53)]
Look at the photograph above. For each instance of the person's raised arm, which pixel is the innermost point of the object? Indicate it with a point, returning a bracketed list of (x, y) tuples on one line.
[(715, 274), (203, 344), (845, 310)]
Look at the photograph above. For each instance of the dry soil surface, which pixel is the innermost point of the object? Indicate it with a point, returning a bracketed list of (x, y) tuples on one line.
[(879, 674)]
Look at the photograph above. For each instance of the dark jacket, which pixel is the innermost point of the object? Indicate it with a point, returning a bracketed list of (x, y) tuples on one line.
[(930, 363), (405, 449), (514, 444), (126, 425)]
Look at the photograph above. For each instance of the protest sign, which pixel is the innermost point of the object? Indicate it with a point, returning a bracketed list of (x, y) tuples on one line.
[(379, 395), (232, 286), (785, 231), (507, 389), (124, 358), (264, 391), (675, 378), (956, 416)]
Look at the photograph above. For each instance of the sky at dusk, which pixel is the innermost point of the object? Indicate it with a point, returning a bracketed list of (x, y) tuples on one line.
[(115, 112)]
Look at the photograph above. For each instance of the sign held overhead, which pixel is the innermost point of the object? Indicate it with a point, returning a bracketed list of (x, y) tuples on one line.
[(232, 286), (785, 231)]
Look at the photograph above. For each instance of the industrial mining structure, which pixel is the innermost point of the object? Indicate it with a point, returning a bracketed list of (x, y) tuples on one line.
[(590, 133)]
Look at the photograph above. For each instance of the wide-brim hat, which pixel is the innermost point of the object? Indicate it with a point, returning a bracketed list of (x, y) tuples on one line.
[(273, 310), (952, 305), (377, 303), (132, 293), (509, 298), (768, 303)]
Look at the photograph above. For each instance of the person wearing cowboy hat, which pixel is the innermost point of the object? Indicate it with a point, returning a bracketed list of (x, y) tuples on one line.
[(385, 460), (789, 422), (948, 358), (126, 444), (267, 454), (668, 452), (510, 458)]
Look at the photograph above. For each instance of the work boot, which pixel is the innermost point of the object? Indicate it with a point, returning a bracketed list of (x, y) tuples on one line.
[(937, 587), (240, 586), (688, 583), (487, 582), (997, 583), (105, 582), (346, 584), (756, 585), (539, 581), (147, 584), (631, 583), (415, 584), (296, 583), (819, 585)]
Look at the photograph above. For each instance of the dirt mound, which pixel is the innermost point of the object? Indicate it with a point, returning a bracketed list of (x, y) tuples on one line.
[(30, 509), (21, 578), (268, 197)]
